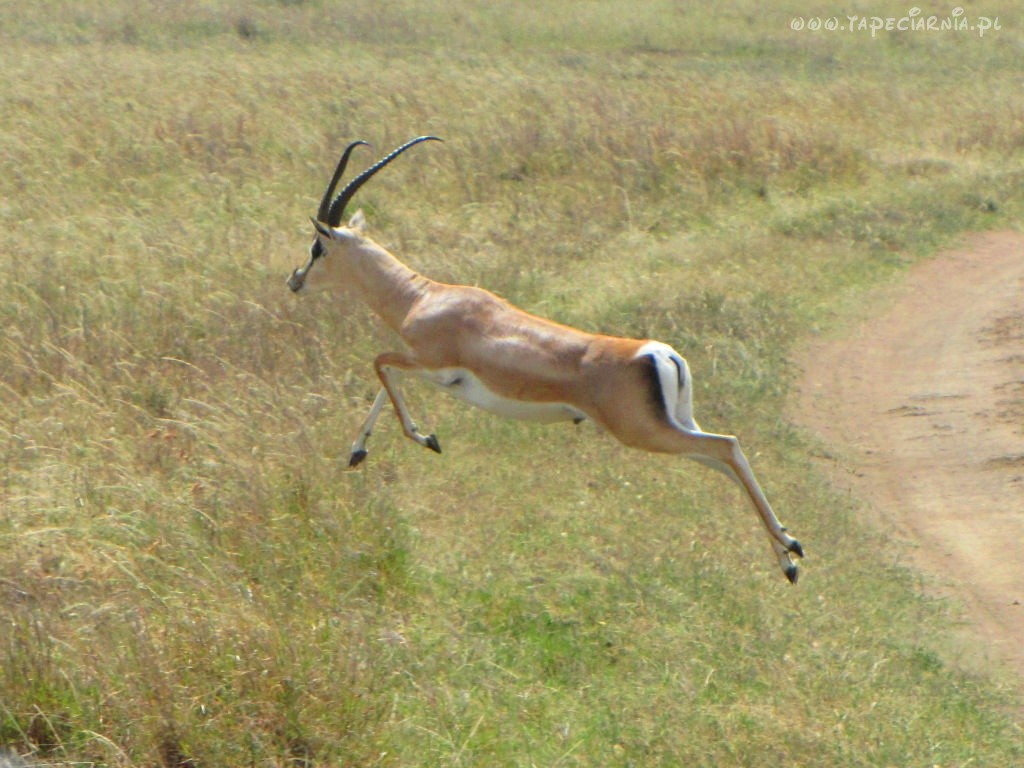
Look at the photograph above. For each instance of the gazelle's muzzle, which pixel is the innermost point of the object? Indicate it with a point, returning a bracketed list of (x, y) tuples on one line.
[(297, 280)]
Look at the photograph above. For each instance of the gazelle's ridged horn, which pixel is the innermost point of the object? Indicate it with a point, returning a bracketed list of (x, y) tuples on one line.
[(325, 204), (337, 208)]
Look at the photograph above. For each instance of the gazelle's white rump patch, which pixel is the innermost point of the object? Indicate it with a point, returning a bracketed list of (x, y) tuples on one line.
[(676, 383)]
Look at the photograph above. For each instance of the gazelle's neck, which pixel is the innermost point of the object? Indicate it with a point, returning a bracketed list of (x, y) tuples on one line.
[(384, 283)]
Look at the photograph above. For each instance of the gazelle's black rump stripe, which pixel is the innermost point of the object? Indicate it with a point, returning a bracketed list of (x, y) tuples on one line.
[(655, 393)]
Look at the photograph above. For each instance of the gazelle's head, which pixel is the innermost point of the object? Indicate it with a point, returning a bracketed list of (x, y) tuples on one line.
[(329, 215)]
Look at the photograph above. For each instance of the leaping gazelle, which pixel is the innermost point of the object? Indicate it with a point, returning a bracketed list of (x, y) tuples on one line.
[(481, 349)]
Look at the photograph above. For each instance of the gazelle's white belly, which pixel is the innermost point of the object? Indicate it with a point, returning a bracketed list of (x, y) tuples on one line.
[(464, 385)]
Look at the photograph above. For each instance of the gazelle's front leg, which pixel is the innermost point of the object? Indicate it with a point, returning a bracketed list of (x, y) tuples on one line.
[(388, 365), (358, 452), (389, 390)]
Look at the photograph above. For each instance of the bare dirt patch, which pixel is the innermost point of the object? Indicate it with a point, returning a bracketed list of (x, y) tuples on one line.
[(922, 405)]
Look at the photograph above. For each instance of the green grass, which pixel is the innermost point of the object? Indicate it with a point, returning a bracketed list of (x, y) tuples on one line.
[(189, 576)]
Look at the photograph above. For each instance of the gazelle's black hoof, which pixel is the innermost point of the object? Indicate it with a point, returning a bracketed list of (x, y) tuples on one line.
[(796, 549), (432, 443), (356, 457), (792, 573)]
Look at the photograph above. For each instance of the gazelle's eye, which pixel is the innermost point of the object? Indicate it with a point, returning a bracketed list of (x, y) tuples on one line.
[(316, 250)]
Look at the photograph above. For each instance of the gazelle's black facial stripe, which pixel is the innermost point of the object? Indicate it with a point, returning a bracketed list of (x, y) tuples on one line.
[(316, 250)]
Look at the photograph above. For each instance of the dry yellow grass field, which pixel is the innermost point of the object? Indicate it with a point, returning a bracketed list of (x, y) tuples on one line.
[(188, 574)]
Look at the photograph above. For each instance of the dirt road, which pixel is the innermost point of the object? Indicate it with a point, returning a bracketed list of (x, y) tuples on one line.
[(922, 407)]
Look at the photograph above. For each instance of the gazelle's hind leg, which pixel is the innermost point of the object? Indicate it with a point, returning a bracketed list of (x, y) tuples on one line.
[(720, 452), (738, 470)]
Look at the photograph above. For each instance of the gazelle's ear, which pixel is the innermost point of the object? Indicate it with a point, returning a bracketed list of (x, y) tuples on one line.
[(358, 222), (323, 229)]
